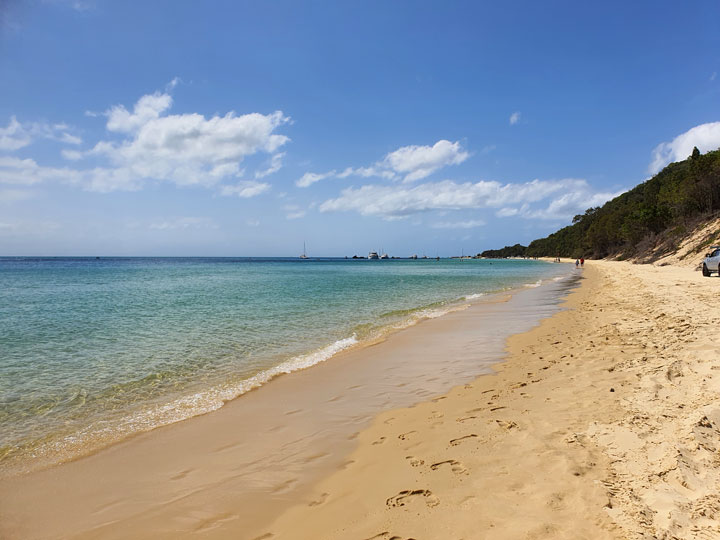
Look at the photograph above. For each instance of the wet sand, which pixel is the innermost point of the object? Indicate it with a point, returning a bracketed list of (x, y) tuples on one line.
[(230, 473)]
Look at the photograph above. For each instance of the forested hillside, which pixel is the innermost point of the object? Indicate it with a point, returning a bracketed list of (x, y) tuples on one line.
[(650, 218), (517, 250)]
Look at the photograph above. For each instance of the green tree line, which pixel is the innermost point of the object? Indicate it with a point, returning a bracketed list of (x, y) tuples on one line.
[(661, 210), (517, 250)]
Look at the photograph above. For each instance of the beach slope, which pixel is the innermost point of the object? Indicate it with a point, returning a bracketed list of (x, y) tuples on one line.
[(604, 422)]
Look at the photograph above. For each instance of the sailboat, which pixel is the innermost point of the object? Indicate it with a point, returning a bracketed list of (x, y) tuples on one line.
[(304, 254)]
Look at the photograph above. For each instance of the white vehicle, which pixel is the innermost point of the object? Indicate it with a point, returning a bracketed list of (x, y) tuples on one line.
[(712, 261)]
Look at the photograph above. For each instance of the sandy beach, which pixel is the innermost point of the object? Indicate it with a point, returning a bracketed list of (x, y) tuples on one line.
[(602, 422)]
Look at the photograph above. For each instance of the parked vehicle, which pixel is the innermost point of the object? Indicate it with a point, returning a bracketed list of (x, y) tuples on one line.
[(712, 262)]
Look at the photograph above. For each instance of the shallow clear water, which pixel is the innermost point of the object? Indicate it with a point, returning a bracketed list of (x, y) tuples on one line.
[(94, 350)]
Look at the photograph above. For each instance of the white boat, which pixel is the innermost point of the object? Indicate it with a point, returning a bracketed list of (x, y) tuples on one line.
[(304, 255), (384, 256), (373, 255), (413, 256)]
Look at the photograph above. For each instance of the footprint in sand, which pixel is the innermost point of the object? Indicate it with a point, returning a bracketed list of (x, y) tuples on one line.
[(385, 535), (455, 466), (404, 497), (181, 474), (460, 440), (321, 499), (379, 441), (465, 419), (415, 462), (406, 436), (211, 522), (506, 424), (284, 486)]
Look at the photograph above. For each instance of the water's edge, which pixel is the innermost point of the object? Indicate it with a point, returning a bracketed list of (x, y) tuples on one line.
[(96, 438)]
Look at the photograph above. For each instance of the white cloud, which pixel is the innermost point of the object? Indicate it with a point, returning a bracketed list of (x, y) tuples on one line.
[(186, 149), (705, 136), (309, 178), (183, 223), (147, 108), (244, 189), (417, 162), (569, 204), (514, 118), (293, 211), (470, 224), (713, 76), (367, 172), (410, 162), (392, 202), (226, 169), (507, 212), (70, 139), (14, 137), (27, 172), (19, 135), (275, 166)]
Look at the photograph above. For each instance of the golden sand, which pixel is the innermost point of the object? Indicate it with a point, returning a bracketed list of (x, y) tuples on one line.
[(603, 423)]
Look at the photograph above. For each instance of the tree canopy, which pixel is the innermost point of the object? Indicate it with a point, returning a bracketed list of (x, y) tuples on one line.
[(660, 210)]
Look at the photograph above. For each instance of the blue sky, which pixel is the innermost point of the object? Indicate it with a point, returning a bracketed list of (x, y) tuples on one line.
[(246, 128)]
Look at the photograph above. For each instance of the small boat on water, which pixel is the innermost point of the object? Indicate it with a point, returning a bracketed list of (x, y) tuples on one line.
[(413, 257), (373, 255), (304, 254), (384, 256)]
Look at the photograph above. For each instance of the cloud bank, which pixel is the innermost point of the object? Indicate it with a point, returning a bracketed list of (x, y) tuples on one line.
[(407, 163), (569, 196), (153, 145)]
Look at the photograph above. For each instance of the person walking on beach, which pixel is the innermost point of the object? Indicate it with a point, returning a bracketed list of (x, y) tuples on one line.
[(582, 261), (577, 263)]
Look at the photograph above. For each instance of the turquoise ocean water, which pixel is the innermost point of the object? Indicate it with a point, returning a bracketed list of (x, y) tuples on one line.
[(92, 351)]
